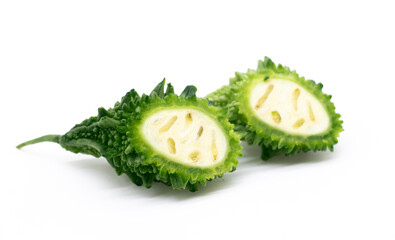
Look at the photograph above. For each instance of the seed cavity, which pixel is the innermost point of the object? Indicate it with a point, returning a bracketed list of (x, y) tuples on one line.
[(311, 113), (171, 145), (298, 123), (263, 99), (168, 125), (276, 117), (202, 143), (214, 149), (295, 97), (200, 132), (188, 118), (194, 156)]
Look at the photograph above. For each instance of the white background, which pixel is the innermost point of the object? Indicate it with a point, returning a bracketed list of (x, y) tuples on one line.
[(61, 60)]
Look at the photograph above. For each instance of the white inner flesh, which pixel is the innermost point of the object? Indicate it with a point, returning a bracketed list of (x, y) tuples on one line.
[(186, 135), (285, 105)]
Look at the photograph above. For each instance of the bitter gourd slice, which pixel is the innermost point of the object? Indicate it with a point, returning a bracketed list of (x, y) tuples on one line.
[(283, 113), (180, 141)]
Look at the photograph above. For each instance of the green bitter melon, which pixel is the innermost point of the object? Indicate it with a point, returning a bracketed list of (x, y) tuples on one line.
[(276, 109), (181, 141)]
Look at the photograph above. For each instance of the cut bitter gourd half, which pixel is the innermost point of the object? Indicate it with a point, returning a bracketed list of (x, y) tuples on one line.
[(180, 141), (187, 141), (275, 108)]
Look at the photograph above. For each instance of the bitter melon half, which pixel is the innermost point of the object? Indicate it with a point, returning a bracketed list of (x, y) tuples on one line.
[(180, 141), (283, 113)]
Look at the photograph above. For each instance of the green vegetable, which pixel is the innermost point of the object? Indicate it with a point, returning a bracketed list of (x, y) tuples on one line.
[(276, 109), (180, 141)]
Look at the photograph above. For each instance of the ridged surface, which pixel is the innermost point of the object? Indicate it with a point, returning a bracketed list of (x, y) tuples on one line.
[(114, 134)]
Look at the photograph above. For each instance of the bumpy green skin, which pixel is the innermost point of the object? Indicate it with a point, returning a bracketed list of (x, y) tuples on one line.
[(235, 97), (114, 134)]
